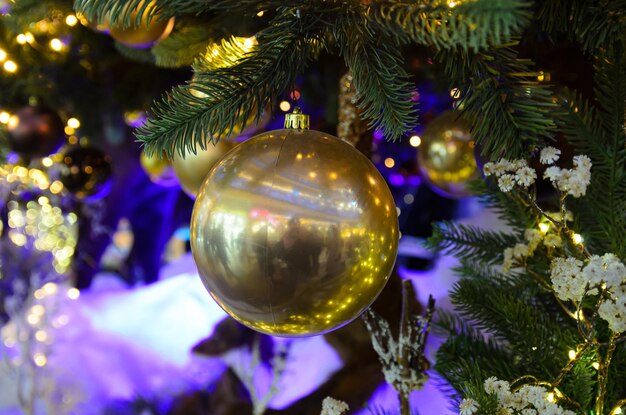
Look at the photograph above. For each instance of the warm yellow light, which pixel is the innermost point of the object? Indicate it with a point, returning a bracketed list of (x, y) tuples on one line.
[(71, 20), (550, 397), (69, 130), (40, 359), (572, 354), (249, 42), (544, 227), (10, 66), (21, 39), (49, 288), (261, 13), (579, 315), (577, 238), (47, 162), (33, 319), (4, 117), (415, 141), (617, 411), (41, 336), (73, 122), (3, 55), (389, 162), (285, 106), (312, 175), (73, 293), (596, 365), (455, 93), (56, 187), (332, 175), (56, 45)]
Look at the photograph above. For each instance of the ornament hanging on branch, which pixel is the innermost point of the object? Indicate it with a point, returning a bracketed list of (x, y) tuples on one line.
[(351, 126), (35, 131), (192, 169), (159, 170), (85, 172), (294, 232), (446, 156)]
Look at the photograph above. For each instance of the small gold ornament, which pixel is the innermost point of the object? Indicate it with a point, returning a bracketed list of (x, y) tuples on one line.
[(351, 126), (446, 155), (147, 33), (192, 169), (294, 232), (159, 170)]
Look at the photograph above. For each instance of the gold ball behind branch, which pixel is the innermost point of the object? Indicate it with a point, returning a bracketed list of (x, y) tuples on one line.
[(192, 169), (150, 30), (159, 170), (446, 155), (294, 233)]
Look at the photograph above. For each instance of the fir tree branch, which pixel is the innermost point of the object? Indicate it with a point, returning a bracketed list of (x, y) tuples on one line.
[(182, 121), (185, 44), (470, 242), (469, 25), (383, 91), (509, 109), (592, 23)]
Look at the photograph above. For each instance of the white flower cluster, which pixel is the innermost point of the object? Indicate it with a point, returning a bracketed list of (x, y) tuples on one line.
[(573, 182), (331, 406), (510, 173), (533, 238), (570, 278), (468, 407), (527, 400)]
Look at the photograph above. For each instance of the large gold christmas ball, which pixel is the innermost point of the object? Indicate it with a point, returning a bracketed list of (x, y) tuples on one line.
[(446, 155), (158, 169), (294, 233), (145, 34), (192, 169)]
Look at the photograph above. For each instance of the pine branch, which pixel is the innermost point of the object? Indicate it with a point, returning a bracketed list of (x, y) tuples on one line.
[(592, 23), (185, 44), (383, 91), (182, 121), (510, 110), (469, 25), (470, 242)]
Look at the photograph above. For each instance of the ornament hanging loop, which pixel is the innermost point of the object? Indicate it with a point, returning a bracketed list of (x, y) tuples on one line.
[(297, 120)]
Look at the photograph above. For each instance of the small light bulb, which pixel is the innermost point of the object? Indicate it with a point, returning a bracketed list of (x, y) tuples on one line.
[(455, 93), (415, 141), (56, 45), (596, 365), (550, 397), (40, 359), (389, 162), (260, 14), (47, 162), (69, 130), (21, 39), (29, 37), (544, 227), (71, 20), (285, 106), (73, 122), (572, 354), (73, 293), (10, 66), (3, 55), (617, 411), (4, 117), (249, 42), (577, 239)]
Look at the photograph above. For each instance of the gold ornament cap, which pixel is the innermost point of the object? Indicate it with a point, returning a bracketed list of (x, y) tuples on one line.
[(297, 120)]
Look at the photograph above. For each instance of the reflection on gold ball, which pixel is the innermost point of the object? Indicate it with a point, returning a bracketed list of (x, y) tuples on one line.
[(294, 233), (446, 155), (144, 35), (192, 169), (159, 170)]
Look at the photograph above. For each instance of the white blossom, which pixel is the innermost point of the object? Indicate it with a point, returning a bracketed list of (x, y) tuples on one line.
[(574, 182), (468, 407), (517, 164), (606, 269), (553, 173), (613, 311), (525, 176), (553, 241), (528, 400), (568, 280), (507, 262), (534, 237), (488, 169), (502, 166), (331, 406), (506, 182), (549, 155), (520, 250)]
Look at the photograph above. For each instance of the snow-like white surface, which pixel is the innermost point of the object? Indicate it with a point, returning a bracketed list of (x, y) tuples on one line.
[(120, 343)]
